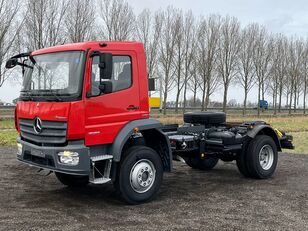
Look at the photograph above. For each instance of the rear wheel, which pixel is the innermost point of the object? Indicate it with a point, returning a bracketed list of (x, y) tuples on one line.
[(242, 165), (262, 157), (72, 180), (140, 175), (241, 161), (202, 164)]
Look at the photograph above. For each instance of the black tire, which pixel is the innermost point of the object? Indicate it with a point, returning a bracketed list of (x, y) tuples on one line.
[(134, 157), (227, 158), (269, 157), (189, 162), (72, 180), (206, 118), (242, 164), (202, 164)]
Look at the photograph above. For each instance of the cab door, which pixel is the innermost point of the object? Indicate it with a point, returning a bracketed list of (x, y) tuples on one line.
[(107, 113)]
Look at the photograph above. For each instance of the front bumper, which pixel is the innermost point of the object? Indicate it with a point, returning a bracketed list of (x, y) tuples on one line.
[(47, 157)]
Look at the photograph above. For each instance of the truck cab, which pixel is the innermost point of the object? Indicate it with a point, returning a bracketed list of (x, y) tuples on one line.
[(83, 113), (63, 87)]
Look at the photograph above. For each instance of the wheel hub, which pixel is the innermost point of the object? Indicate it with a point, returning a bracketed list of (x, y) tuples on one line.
[(266, 157), (142, 176)]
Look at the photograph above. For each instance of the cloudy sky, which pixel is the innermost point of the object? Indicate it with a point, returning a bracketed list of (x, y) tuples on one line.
[(285, 16), (279, 16)]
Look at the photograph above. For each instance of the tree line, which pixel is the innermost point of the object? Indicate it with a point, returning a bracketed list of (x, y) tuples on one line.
[(188, 55)]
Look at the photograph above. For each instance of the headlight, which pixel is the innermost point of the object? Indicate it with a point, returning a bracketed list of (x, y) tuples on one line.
[(19, 149), (68, 157)]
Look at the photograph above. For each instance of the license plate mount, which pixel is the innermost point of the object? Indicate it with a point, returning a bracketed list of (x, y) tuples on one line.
[(37, 153)]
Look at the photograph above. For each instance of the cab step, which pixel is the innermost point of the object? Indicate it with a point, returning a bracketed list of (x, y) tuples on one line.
[(101, 157), (100, 169), (101, 180)]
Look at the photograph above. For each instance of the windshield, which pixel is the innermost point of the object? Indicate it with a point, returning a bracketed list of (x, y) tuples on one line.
[(53, 76)]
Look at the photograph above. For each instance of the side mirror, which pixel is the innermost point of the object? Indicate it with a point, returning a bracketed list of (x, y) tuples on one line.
[(105, 87), (105, 64), (12, 62), (151, 82)]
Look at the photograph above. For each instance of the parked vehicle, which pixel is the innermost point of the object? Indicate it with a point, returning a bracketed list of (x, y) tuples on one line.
[(83, 113), (263, 104)]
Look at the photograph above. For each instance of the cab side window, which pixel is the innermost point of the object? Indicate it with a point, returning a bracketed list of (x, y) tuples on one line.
[(121, 74)]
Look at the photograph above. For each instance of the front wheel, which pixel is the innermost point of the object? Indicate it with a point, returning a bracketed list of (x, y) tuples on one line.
[(140, 175), (262, 157), (72, 180)]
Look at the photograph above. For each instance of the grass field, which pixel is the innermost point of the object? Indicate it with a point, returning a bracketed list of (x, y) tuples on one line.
[(7, 124), (8, 137), (297, 126)]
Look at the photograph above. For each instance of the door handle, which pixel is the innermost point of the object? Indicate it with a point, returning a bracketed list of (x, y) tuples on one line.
[(132, 107)]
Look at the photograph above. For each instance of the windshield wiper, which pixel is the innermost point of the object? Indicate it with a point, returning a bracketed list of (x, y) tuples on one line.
[(27, 94), (53, 93), (36, 93)]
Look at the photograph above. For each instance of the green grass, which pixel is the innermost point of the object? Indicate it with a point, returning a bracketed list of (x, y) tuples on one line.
[(300, 140), (7, 124), (8, 137)]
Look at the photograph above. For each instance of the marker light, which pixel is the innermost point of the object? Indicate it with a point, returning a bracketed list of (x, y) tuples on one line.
[(69, 158)]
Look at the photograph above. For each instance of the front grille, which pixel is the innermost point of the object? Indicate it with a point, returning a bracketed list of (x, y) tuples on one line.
[(53, 132)]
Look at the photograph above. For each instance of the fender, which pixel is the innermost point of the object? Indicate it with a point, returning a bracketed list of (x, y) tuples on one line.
[(266, 130), (127, 131)]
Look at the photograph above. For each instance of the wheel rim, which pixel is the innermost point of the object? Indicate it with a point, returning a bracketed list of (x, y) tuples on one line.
[(142, 176), (266, 157)]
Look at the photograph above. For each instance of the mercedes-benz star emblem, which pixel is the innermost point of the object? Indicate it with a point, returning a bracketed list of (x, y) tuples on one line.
[(37, 125)]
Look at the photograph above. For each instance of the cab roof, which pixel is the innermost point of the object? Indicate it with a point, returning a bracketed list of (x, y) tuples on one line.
[(102, 45)]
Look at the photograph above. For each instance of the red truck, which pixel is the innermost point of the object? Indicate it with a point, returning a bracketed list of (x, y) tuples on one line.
[(83, 113)]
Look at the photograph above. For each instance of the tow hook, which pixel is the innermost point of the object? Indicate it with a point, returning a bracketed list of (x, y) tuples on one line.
[(184, 145)]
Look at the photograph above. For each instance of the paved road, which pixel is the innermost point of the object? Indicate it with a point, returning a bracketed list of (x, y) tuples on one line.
[(189, 199)]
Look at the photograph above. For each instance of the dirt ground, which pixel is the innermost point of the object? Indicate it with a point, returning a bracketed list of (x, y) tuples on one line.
[(189, 199)]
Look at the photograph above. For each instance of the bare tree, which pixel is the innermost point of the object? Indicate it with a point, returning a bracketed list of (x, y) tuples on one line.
[(167, 52), (305, 74), (80, 21), (229, 46), (148, 30), (280, 65), (207, 48), (262, 57), (189, 52), (184, 53), (246, 65), (118, 19), (9, 29), (194, 81), (44, 23), (178, 56), (273, 82), (295, 55)]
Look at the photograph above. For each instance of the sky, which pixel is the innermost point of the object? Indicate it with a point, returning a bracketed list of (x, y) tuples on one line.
[(279, 16)]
